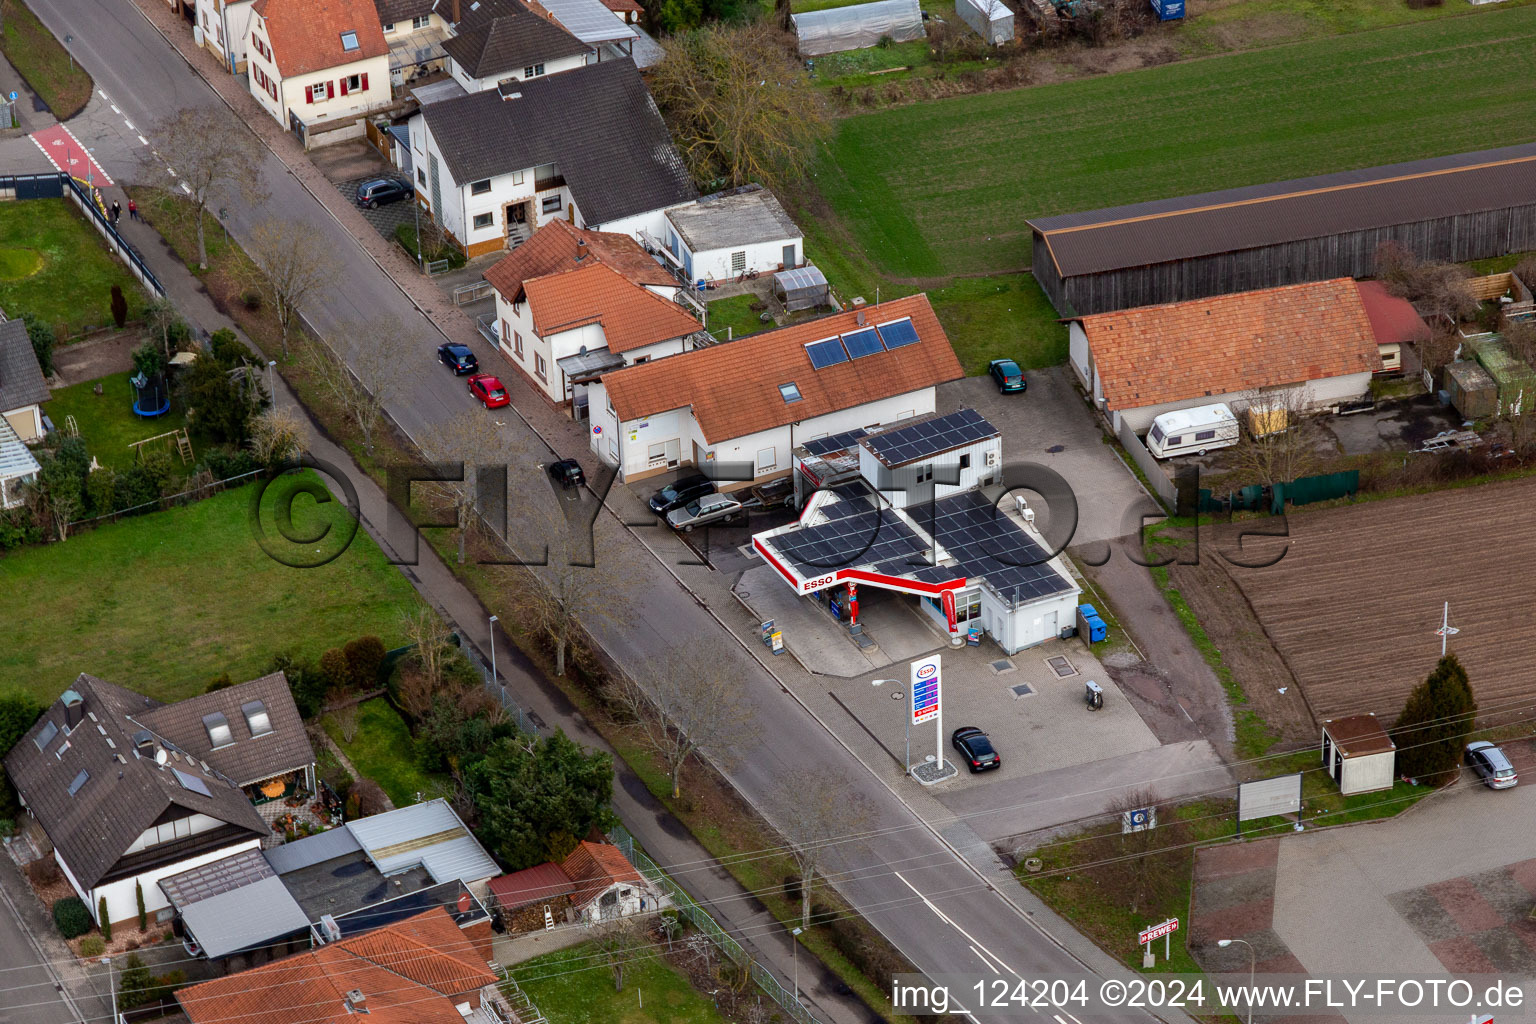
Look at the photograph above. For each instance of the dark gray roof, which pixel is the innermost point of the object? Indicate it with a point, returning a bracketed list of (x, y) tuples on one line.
[(123, 794), (317, 849), (509, 42), (234, 904), (597, 123), (743, 216), (21, 380), (988, 546), (391, 11), (1286, 211), (247, 758)]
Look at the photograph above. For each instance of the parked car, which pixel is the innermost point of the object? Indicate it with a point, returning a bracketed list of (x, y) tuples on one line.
[(711, 508), (458, 358), (1008, 375), (973, 745), (488, 389), (377, 192), (1491, 765), (680, 492), (566, 473)]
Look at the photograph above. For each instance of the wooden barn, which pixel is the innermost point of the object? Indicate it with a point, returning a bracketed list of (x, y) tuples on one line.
[(1465, 207)]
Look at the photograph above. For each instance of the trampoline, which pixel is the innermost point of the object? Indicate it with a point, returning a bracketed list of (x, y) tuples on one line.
[(151, 398)]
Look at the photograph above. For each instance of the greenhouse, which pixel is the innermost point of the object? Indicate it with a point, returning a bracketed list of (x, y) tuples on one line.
[(991, 19), (852, 28), (801, 288)]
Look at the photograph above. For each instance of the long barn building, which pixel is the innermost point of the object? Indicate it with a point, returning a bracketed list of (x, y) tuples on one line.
[(1457, 208)]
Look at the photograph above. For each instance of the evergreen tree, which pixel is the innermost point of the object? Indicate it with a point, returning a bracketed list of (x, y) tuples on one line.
[(1435, 723), (103, 921), (138, 892)]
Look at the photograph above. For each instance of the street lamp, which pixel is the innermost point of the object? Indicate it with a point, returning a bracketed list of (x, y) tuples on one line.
[(906, 718), (1252, 965), (493, 649), (272, 380), (794, 952)]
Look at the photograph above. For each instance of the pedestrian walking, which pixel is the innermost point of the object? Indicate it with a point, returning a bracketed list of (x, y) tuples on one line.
[(117, 210), (133, 210)]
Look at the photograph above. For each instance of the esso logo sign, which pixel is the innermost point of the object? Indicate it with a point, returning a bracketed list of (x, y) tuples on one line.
[(820, 581), (927, 671)]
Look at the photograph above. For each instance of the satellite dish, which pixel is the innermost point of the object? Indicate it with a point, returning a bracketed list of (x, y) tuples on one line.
[(161, 756), (582, 350)]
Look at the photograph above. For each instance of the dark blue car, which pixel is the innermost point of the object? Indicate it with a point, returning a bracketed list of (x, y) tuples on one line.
[(1008, 375), (458, 358)]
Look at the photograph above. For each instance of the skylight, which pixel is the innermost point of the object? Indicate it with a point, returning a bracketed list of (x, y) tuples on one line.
[(256, 717), (190, 782), (42, 739), (80, 780), (349, 40), (219, 734), (790, 391)]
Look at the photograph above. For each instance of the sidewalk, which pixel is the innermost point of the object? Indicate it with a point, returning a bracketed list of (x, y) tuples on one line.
[(665, 838)]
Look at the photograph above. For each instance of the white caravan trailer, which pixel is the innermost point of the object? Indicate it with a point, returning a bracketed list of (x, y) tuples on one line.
[(1197, 431)]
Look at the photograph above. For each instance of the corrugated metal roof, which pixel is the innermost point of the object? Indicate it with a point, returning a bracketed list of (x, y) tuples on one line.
[(1286, 211), (429, 834), (252, 915), (328, 845), (588, 20)]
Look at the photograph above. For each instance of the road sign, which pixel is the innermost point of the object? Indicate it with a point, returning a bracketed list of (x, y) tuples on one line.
[(925, 690), (1138, 820), (1157, 931), (13, 95)]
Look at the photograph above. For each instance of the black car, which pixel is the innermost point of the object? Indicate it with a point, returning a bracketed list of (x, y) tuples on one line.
[(566, 473), (458, 358), (974, 746), (377, 192), (680, 492)]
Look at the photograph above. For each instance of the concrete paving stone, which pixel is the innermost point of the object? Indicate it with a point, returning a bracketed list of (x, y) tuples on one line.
[(1214, 862), (1505, 949), (1510, 900), (1524, 874), (1462, 955), (1426, 914), (1267, 947), (1287, 964), (1238, 920), (1233, 890), (1465, 907)]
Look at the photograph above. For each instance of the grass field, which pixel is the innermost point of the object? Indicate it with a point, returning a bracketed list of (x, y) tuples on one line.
[(107, 422), (164, 602), (46, 65), (575, 986), (382, 750), (945, 187), (52, 263), (734, 313)]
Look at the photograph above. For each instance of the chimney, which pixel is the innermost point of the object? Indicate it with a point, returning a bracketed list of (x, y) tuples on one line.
[(581, 249), (456, 14), (144, 743), (356, 1001), (74, 709)]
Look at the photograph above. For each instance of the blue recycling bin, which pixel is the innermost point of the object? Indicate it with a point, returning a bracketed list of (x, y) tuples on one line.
[(1089, 625)]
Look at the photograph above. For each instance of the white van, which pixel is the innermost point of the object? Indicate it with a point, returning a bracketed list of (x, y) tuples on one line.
[(1192, 431)]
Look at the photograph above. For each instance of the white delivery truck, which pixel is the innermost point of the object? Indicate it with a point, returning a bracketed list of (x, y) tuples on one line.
[(1192, 431)]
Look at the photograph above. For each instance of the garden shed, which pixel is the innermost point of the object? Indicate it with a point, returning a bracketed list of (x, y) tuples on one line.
[(1516, 381), (1474, 393), (861, 25), (1358, 754), (802, 288), (991, 19)]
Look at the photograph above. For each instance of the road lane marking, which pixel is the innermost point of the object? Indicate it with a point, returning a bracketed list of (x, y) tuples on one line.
[(985, 960), (130, 125), (143, 141), (945, 918), (115, 110)]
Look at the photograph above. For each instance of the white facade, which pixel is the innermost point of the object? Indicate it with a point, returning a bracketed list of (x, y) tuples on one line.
[(122, 897), (1013, 629), (317, 97), (226, 19), (636, 225), (546, 67), (765, 257), (1357, 773), (971, 466), (664, 441), (621, 899)]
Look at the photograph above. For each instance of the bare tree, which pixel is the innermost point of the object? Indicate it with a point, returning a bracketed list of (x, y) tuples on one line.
[(429, 634), (160, 316), (375, 367), (1137, 844), (739, 106), (346, 722), (1275, 445), (290, 263), (215, 158), (277, 436), (1435, 289), (686, 702), (814, 811), (469, 438), (619, 941)]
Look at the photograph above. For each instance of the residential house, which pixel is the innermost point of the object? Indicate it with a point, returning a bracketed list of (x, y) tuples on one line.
[(22, 387), (587, 145), (504, 40), (415, 31), (417, 970), (122, 807), (627, 11), (594, 882), (742, 407), (1314, 341), (225, 28), (725, 235), (592, 22), (571, 305), (18, 466), (315, 63)]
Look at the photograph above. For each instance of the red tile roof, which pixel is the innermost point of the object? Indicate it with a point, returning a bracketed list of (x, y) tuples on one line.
[(306, 34), (531, 885), (593, 867), (631, 317), (411, 972), (1231, 343), (1358, 735), (621, 6), (1393, 320), (553, 249), (733, 389)]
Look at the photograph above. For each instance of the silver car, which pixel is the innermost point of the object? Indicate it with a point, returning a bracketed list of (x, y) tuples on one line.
[(711, 508), (1490, 764)]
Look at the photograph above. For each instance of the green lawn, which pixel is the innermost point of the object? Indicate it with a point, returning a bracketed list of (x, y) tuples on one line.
[(164, 602), (52, 263), (945, 187), (382, 750), (735, 314), (575, 986), (46, 65), (107, 422), (990, 318)]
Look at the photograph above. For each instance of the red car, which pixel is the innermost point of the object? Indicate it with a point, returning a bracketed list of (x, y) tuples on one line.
[(489, 390)]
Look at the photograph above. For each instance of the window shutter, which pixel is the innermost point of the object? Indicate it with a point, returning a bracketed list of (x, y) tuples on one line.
[(365, 81), (330, 90), (309, 94), (343, 86)]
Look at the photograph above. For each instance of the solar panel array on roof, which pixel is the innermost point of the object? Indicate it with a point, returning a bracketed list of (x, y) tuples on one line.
[(828, 352), (898, 333), (862, 343), (985, 543), (856, 533), (929, 437), (835, 443), (191, 782)]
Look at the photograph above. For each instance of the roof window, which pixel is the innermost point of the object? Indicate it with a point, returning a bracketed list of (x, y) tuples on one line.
[(349, 41), (45, 737), (256, 717), (191, 783), (219, 734), (80, 780), (790, 391)]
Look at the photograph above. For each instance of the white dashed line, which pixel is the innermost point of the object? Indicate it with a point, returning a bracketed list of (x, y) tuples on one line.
[(186, 188), (129, 124), (103, 94), (115, 109), (143, 141)]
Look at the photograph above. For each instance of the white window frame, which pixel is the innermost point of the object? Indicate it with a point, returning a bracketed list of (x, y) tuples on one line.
[(533, 70), (558, 200), (489, 218), (475, 188), (773, 460), (421, 21)]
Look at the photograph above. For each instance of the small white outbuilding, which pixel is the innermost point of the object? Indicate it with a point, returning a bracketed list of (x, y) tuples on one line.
[(1358, 754), (990, 19)]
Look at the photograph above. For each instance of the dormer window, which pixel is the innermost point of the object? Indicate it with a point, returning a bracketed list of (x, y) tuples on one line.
[(256, 717), (219, 734), (349, 41)]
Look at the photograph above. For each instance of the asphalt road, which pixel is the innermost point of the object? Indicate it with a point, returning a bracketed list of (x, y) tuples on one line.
[(28, 987), (907, 882)]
